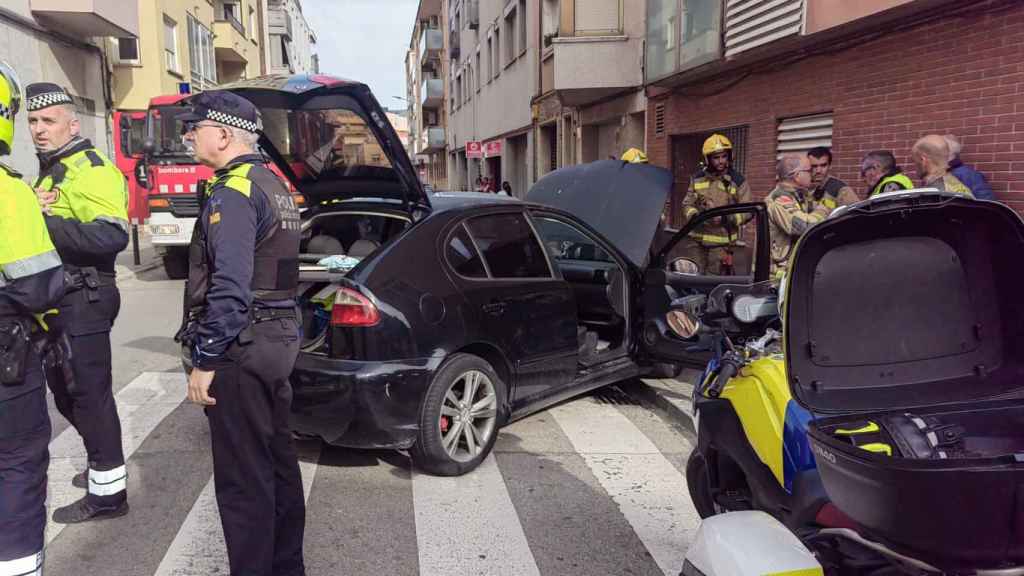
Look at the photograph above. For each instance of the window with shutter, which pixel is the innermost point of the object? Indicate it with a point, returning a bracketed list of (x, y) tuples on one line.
[(598, 17), (802, 133)]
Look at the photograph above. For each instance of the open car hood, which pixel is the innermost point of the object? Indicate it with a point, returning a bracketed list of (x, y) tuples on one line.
[(332, 140), (906, 301), (621, 200)]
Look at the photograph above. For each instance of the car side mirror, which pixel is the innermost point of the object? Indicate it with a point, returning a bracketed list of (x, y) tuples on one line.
[(149, 147), (684, 266)]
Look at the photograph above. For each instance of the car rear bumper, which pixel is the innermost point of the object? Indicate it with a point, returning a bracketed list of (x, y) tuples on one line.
[(360, 404)]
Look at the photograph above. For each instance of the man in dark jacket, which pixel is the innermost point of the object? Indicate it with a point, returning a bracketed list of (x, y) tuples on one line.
[(969, 176)]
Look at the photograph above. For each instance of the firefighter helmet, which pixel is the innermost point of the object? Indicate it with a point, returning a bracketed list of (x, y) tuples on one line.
[(635, 155), (10, 101), (716, 143)]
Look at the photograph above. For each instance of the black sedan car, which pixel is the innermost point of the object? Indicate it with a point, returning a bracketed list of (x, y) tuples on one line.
[(431, 320)]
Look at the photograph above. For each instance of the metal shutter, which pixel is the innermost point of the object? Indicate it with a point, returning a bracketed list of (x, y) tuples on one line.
[(804, 132), (753, 23), (598, 16)]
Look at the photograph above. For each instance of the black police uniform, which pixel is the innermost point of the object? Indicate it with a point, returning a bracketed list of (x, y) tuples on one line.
[(31, 282), (243, 324), (89, 228)]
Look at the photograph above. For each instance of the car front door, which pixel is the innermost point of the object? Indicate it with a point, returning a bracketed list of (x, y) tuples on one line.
[(664, 282), (523, 306)]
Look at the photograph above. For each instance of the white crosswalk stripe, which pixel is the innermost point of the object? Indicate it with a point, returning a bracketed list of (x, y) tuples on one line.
[(141, 405), (468, 525)]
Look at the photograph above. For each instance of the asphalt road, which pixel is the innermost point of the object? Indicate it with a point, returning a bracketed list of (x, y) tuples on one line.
[(592, 487)]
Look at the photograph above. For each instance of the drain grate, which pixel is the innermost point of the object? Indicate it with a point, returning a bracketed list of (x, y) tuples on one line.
[(614, 395)]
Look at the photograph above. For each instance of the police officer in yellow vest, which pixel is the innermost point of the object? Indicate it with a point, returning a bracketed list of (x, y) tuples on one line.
[(243, 336), (31, 282), (881, 174), (713, 245), (85, 199)]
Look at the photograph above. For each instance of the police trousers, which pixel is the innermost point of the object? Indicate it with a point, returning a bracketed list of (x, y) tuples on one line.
[(256, 469), (24, 457), (88, 401)]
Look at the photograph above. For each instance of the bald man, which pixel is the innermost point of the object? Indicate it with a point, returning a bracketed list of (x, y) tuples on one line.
[(788, 216), (931, 157)]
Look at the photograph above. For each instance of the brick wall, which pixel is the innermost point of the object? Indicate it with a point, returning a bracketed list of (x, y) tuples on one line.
[(962, 74)]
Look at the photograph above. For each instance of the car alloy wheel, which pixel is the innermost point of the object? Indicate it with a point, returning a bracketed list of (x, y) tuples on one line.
[(468, 416)]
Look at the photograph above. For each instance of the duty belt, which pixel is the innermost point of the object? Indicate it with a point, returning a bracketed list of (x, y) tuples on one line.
[(90, 279), (263, 314)]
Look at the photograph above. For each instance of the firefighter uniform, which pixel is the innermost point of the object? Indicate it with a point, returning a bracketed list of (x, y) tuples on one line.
[(788, 219), (243, 325), (833, 194), (950, 183), (88, 223), (893, 182), (31, 282)]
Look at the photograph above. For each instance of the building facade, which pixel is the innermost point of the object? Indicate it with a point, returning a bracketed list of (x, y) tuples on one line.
[(290, 44), (426, 67), (782, 77), (65, 42)]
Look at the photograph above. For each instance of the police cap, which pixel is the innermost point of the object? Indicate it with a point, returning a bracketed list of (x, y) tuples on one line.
[(224, 107), (45, 94)]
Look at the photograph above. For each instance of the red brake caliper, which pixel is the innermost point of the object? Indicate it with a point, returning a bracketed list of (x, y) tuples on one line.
[(445, 423)]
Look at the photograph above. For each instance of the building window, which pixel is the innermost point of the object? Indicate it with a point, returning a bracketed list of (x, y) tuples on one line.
[(479, 70), (279, 57), (458, 90), (127, 50), (522, 27), (490, 58), (802, 133), (253, 28), (497, 51), (201, 55), (171, 45), (511, 31), (598, 17)]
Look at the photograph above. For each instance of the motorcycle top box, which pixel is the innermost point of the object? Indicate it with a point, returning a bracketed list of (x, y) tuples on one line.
[(904, 335)]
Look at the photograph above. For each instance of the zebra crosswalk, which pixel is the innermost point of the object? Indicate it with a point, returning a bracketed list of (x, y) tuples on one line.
[(583, 488)]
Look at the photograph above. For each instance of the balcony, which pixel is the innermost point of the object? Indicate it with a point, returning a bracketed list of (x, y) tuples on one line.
[(89, 18), (279, 23), (435, 140), (432, 93), (431, 45), (585, 69), (230, 44)]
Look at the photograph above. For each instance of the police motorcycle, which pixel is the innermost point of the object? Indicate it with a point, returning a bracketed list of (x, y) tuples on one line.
[(867, 416)]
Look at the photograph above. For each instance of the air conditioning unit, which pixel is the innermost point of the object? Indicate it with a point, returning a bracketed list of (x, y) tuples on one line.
[(473, 14)]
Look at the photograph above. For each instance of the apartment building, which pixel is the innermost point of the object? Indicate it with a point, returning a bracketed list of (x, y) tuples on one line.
[(64, 41), (783, 76), (426, 67), (290, 44)]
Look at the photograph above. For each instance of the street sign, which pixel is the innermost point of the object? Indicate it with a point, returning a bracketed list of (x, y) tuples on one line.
[(184, 88), (493, 148), (474, 150)]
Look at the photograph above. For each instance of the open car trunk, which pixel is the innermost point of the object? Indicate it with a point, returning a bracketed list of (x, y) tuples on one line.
[(905, 336)]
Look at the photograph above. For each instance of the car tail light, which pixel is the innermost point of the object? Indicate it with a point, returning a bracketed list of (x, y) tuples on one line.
[(353, 309)]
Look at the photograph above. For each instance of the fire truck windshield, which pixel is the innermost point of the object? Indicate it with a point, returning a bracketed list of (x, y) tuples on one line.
[(165, 128)]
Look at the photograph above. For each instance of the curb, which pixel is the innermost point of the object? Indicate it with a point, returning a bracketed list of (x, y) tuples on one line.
[(673, 396)]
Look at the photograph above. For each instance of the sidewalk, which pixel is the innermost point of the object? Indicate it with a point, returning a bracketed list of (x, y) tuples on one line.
[(674, 396), (148, 258)]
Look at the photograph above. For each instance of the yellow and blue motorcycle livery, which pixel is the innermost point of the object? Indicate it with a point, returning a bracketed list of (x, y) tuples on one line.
[(881, 431)]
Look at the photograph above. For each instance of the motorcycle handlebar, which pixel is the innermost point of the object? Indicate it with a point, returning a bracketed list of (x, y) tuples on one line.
[(725, 373)]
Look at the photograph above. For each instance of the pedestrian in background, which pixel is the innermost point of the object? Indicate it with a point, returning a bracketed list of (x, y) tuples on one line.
[(968, 175), (881, 173), (506, 189), (788, 217), (930, 155), (32, 282), (85, 199), (828, 190), (243, 335)]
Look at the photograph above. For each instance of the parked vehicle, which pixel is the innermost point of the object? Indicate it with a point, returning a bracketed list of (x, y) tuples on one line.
[(887, 438), (464, 311)]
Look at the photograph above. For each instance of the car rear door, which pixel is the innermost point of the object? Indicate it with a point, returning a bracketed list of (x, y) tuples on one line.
[(663, 283), (522, 304)]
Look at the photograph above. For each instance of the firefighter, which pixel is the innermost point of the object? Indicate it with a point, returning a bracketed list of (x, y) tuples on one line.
[(788, 214), (881, 174), (717, 183), (243, 334), (930, 155), (828, 189), (31, 282), (85, 200)]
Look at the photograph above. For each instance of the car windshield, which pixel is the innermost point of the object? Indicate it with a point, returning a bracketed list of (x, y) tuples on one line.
[(326, 144), (166, 131)]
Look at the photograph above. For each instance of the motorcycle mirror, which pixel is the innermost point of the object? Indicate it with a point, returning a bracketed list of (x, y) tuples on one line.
[(684, 266), (683, 324)]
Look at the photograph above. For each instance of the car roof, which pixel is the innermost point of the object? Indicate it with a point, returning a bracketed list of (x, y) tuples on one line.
[(445, 201)]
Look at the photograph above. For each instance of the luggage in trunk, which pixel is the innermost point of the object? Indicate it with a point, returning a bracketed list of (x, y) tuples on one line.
[(905, 337)]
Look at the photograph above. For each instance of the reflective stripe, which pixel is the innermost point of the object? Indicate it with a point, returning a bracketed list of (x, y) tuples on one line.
[(237, 179), (119, 222), (27, 566), (108, 482), (713, 239), (31, 265), (243, 185), (701, 185)]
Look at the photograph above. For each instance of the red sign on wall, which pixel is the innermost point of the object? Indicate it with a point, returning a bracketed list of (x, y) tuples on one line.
[(474, 150), (493, 148)]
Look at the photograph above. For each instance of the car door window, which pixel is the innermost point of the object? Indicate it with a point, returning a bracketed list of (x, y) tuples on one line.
[(463, 256), (509, 246), (565, 242), (722, 246)]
